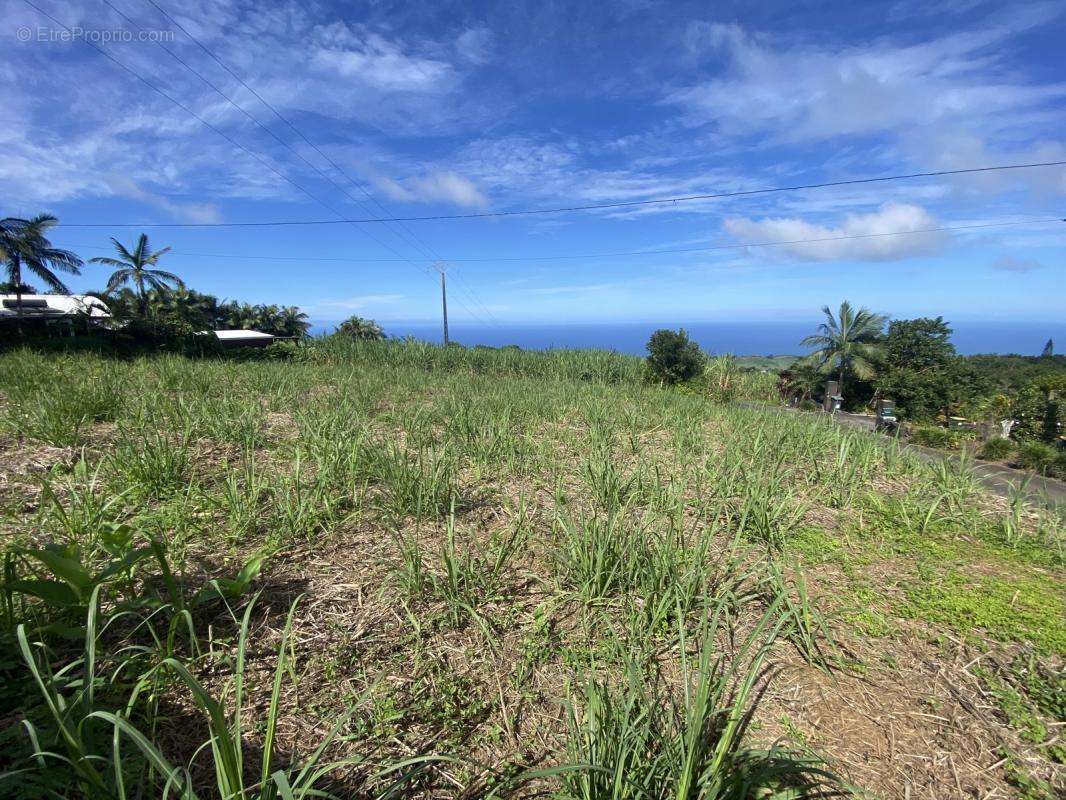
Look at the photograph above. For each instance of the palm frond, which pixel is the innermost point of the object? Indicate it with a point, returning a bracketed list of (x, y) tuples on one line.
[(62, 259), (118, 278), (50, 278), (167, 276), (153, 258), (122, 251), (141, 249)]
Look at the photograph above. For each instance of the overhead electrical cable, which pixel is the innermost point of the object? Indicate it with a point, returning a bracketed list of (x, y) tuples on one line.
[(627, 254), (401, 230), (568, 209), (266, 163)]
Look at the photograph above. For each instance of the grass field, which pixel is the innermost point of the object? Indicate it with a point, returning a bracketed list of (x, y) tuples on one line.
[(401, 571)]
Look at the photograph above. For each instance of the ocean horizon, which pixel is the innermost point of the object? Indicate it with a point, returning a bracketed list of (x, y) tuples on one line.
[(738, 338)]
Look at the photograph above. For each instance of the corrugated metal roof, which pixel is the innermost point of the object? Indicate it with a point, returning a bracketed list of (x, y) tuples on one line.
[(232, 336), (54, 305)]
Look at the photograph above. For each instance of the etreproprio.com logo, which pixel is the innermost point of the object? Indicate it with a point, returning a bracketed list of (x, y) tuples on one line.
[(92, 35)]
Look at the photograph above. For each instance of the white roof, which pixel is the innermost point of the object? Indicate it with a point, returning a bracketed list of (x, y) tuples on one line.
[(57, 305), (237, 335)]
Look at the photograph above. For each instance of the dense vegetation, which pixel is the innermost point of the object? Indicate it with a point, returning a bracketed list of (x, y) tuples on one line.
[(473, 572)]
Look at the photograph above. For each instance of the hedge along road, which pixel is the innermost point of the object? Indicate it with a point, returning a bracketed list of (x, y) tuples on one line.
[(1002, 480)]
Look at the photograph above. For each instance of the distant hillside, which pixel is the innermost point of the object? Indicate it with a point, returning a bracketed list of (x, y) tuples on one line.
[(774, 363)]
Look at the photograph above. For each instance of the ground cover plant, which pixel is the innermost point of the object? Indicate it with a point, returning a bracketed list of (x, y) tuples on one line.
[(388, 569)]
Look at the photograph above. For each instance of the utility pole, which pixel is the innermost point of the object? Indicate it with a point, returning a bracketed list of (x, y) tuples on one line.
[(443, 298)]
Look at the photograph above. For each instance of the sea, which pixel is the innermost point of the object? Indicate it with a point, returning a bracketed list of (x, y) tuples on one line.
[(738, 338)]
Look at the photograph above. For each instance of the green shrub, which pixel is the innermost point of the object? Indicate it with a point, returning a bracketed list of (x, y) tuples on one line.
[(673, 357), (1036, 456), (997, 449), (935, 436), (363, 329)]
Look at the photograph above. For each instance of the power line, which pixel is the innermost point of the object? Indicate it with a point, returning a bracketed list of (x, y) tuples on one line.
[(469, 291), (239, 108), (568, 209), (413, 238), (281, 141), (221, 133), (629, 254), (276, 113), (201, 120)]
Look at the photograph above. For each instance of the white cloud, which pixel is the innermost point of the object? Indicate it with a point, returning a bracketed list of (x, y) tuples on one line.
[(475, 45), (446, 187), (791, 93), (356, 303), (877, 229), (366, 57), (1014, 264), (183, 212)]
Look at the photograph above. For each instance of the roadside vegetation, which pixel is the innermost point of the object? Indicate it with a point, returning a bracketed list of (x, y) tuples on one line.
[(391, 569), (1000, 407)]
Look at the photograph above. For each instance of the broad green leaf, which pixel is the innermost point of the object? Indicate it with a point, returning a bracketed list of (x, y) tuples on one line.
[(250, 571), (64, 567), (123, 564), (54, 592)]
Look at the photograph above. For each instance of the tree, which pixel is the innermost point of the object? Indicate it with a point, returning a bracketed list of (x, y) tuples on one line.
[(1051, 387), (1049, 349), (362, 329), (7, 287), (242, 316), (195, 309), (848, 342), (122, 304), (23, 244), (800, 381), (1037, 408), (294, 322), (136, 267), (917, 367), (673, 357)]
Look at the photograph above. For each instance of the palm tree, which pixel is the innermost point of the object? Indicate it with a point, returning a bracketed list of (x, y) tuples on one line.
[(135, 268), (268, 319), (359, 328), (7, 287), (847, 342), (122, 304), (242, 316), (23, 244), (801, 380), (191, 307), (294, 321)]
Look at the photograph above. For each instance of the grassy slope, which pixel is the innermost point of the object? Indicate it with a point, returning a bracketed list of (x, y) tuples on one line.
[(591, 518)]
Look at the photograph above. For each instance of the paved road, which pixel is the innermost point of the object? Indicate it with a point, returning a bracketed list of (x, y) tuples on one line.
[(1001, 480)]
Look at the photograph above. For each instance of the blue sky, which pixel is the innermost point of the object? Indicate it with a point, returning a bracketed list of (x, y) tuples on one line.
[(444, 108)]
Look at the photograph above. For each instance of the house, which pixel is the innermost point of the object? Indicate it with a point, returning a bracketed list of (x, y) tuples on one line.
[(54, 306), (243, 338)]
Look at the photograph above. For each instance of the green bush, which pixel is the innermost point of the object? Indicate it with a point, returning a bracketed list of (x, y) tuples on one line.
[(673, 357), (1037, 456), (365, 330), (997, 449), (935, 436)]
